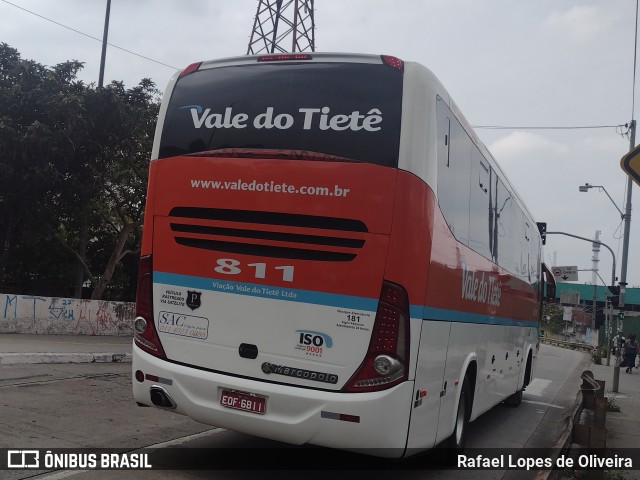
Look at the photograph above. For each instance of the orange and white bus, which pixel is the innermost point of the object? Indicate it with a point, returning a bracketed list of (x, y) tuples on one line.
[(331, 256)]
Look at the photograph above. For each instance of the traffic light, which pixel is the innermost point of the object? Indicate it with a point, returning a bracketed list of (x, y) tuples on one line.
[(599, 321), (614, 298), (542, 228)]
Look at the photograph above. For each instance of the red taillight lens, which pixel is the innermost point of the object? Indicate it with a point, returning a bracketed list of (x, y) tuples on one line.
[(393, 62), (284, 57), (145, 335), (386, 362), (144, 295), (190, 69)]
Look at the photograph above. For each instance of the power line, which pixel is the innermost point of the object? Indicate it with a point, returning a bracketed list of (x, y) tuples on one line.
[(88, 36)]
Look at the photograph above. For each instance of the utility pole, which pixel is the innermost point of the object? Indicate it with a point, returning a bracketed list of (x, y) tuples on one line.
[(625, 257), (104, 44), (84, 232)]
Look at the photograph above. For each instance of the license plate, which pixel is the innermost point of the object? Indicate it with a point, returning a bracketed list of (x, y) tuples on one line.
[(247, 402)]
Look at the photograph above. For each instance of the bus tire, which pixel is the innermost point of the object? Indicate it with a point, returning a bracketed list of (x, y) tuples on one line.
[(514, 400), (456, 442)]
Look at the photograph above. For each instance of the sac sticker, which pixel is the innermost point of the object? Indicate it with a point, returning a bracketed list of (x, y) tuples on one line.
[(183, 325), (313, 343), (308, 118)]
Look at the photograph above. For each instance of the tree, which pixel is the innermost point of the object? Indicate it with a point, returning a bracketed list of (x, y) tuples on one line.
[(35, 102), (73, 173), (119, 171), (552, 317)]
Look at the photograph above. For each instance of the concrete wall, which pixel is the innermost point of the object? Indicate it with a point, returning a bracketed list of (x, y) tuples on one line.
[(64, 316)]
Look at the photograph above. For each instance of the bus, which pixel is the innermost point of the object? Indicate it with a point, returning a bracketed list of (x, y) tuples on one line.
[(331, 256)]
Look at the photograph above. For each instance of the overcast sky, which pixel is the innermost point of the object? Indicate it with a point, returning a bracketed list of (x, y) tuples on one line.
[(544, 63)]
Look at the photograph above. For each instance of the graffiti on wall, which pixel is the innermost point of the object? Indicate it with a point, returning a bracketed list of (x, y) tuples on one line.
[(32, 314)]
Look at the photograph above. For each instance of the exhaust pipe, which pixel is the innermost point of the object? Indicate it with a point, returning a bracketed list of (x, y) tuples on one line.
[(160, 398)]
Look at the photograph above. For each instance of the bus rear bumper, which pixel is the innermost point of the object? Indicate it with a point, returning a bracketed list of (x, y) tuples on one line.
[(373, 423)]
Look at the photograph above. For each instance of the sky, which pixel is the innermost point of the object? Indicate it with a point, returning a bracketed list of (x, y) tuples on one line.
[(530, 63)]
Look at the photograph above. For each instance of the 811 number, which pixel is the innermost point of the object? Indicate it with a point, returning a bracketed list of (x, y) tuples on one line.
[(230, 266)]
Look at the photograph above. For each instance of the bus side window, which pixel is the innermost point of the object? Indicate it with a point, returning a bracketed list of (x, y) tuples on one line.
[(507, 229), (483, 176), (454, 172), (479, 205), (444, 132)]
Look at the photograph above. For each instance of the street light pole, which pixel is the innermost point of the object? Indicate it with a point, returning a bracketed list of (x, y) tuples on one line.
[(626, 217), (613, 267), (606, 315), (587, 186), (616, 370)]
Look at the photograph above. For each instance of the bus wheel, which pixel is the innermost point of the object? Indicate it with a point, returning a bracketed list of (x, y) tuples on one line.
[(458, 437)]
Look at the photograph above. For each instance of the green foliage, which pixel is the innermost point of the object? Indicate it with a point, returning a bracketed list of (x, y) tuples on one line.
[(552, 317), (597, 354), (612, 405), (73, 173)]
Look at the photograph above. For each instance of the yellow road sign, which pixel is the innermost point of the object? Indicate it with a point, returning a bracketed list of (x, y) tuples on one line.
[(630, 163)]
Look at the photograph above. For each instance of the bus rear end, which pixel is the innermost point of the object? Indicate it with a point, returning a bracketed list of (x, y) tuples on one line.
[(263, 305)]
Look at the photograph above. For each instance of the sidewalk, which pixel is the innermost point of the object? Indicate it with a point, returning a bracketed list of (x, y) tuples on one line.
[(27, 348), (623, 426)]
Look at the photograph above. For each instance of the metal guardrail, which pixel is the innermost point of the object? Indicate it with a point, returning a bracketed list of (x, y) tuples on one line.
[(570, 345), (589, 429)]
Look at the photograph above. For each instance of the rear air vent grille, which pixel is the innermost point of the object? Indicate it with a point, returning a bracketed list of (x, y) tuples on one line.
[(265, 250), (282, 237), (261, 234), (270, 218)]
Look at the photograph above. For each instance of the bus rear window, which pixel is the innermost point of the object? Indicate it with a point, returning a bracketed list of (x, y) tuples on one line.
[(348, 110)]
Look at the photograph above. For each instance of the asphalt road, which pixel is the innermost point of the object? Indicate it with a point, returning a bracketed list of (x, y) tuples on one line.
[(90, 406)]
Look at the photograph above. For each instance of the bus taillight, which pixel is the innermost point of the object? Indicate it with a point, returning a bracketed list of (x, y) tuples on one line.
[(190, 69), (145, 334), (285, 57), (386, 362), (393, 62)]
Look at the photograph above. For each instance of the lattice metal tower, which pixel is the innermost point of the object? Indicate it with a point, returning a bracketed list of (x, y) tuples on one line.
[(283, 26)]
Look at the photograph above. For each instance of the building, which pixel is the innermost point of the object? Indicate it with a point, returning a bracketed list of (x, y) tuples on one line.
[(581, 298)]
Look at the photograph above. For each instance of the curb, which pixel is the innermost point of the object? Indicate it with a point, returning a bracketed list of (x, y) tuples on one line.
[(563, 444), (30, 358)]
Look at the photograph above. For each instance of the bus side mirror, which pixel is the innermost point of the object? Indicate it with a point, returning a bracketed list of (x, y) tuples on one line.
[(550, 295), (549, 284)]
